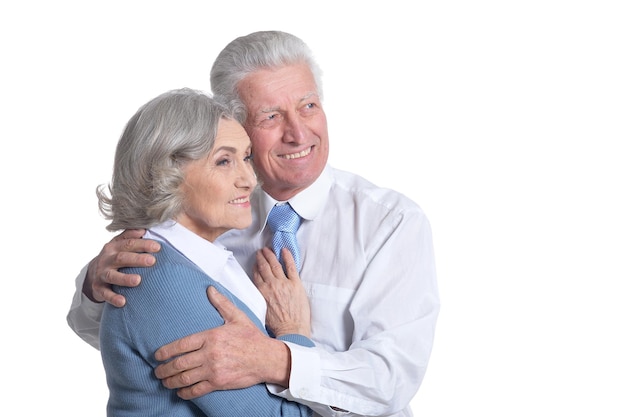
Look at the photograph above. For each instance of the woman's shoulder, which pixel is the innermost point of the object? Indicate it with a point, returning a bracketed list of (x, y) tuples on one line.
[(171, 270)]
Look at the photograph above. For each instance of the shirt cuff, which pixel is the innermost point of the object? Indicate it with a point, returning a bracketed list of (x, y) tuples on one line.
[(305, 377)]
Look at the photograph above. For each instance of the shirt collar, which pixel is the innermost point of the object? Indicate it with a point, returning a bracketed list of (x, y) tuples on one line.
[(211, 257), (307, 203)]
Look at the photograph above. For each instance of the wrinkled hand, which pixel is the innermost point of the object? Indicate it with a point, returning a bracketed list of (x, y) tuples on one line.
[(235, 355), (124, 250), (288, 309)]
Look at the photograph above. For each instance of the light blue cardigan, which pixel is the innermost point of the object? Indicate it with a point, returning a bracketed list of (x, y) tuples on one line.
[(170, 303)]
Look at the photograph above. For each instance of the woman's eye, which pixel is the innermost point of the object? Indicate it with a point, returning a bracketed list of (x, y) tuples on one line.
[(224, 161)]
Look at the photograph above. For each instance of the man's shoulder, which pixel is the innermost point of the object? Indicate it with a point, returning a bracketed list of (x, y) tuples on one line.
[(362, 191)]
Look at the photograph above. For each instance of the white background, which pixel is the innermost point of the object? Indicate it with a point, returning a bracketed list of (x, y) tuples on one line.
[(504, 120)]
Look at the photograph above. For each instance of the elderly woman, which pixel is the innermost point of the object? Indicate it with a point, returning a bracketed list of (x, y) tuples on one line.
[(183, 171)]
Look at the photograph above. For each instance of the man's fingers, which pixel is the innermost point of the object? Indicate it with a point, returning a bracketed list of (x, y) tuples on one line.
[(178, 347), (110, 297), (181, 371), (114, 277), (227, 310), (133, 259), (127, 249), (195, 391), (172, 377), (142, 245)]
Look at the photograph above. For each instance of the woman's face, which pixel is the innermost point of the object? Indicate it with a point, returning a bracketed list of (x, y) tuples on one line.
[(217, 189)]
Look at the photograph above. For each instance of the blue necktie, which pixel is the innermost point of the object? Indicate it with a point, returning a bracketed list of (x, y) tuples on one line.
[(284, 222)]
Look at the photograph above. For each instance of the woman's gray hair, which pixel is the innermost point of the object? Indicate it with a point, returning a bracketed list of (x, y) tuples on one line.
[(250, 53), (165, 134)]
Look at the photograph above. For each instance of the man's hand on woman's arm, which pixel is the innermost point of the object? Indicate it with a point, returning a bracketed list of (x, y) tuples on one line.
[(235, 355), (127, 249), (238, 354)]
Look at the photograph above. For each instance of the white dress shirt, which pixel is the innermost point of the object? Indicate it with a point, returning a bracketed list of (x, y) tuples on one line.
[(368, 269)]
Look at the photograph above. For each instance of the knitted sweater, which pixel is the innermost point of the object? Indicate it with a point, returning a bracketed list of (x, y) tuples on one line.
[(171, 303)]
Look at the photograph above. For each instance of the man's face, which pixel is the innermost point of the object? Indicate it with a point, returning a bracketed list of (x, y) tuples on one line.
[(287, 126)]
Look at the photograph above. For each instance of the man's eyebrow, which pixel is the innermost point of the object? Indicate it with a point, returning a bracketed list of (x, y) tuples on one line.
[(309, 95), (277, 108)]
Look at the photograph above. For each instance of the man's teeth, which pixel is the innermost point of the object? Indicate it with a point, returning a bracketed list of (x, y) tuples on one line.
[(298, 155)]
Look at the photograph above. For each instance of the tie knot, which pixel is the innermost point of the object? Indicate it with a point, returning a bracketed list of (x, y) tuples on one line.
[(283, 218)]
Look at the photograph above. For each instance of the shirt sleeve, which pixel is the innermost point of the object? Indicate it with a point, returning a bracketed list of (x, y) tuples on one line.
[(394, 311), (84, 315)]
